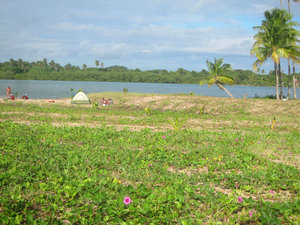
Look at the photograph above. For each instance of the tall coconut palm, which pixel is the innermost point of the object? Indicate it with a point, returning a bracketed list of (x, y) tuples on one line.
[(217, 71), (272, 41), (289, 62)]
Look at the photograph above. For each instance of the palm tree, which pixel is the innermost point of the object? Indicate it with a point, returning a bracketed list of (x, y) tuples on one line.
[(97, 63), (84, 66), (289, 63), (272, 41), (45, 63), (217, 70)]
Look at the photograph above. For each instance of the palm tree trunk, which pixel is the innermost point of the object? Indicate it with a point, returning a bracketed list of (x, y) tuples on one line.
[(281, 4), (222, 87), (294, 80), (290, 79), (276, 81), (280, 81)]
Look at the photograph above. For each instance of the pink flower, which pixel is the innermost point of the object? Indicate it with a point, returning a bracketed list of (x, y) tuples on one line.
[(163, 137), (240, 199), (149, 164), (127, 200), (272, 192), (242, 139), (236, 186), (250, 213), (282, 141), (236, 139), (3, 153), (170, 134)]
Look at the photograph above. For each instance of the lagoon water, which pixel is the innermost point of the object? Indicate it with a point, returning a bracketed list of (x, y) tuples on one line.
[(43, 89)]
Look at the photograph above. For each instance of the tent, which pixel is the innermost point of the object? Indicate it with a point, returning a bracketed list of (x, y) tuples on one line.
[(80, 98)]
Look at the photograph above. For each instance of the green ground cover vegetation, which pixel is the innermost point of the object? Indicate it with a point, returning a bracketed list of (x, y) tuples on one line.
[(179, 159)]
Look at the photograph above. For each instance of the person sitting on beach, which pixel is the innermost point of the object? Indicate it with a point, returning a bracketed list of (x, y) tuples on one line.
[(8, 91)]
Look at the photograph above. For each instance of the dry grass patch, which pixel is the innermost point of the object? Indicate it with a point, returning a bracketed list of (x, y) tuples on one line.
[(269, 195), (187, 171)]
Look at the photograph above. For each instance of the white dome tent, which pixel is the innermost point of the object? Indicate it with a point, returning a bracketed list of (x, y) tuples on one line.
[(80, 98)]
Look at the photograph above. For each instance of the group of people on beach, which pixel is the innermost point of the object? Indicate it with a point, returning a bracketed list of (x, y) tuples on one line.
[(9, 95)]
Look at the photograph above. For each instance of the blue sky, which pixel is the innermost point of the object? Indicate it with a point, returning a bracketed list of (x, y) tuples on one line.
[(145, 34)]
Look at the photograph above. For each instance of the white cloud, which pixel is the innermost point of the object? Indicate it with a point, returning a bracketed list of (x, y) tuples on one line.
[(69, 26), (237, 46)]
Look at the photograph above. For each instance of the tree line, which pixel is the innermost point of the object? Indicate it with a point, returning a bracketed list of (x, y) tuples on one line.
[(44, 70)]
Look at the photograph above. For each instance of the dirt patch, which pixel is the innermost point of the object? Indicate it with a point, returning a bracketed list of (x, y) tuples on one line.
[(274, 108), (187, 171), (164, 102), (270, 195), (145, 99), (61, 101)]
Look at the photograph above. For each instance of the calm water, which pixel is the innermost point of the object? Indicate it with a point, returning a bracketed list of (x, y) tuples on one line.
[(61, 89)]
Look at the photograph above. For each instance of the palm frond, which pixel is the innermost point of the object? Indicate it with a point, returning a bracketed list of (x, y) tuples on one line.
[(211, 82), (257, 64), (226, 80)]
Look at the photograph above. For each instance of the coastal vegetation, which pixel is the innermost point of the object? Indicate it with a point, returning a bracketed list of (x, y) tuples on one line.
[(152, 159), (44, 70)]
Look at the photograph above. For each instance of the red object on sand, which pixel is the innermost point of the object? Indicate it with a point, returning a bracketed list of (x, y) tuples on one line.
[(51, 101)]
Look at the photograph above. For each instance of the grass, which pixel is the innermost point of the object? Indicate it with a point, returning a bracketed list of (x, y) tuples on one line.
[(221, 163)]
